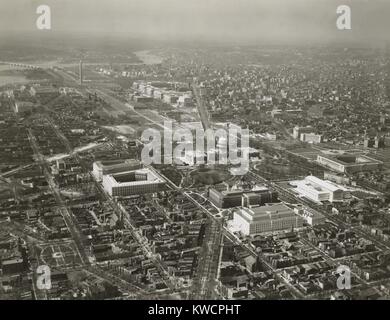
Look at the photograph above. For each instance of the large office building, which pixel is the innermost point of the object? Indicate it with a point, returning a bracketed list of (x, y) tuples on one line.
[(101, 168), (224, 197), (262, 219), (306, 134), (43, 91), (311, 216), (349, 163), (175, 93), (311, 138), (12, 266), (134, 182), (319, 190), (298, 131)]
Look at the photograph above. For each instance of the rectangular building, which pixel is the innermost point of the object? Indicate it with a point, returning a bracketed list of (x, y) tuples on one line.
[(311, 216), (40, 91), (135, 182), (12, 266), (318, 190), (297, 131), (257, 220), (348, 163), (101, 168), (225, 198), (311, 138)]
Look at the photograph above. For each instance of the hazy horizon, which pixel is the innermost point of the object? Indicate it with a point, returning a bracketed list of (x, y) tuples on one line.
[(244, 21)]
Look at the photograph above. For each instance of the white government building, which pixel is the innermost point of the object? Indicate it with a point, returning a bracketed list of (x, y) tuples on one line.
[(129, 183), (101, 168), (269, 218), (319, 190)]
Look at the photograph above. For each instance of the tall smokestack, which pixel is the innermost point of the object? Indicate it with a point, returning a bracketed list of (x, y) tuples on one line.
[(81, 72)]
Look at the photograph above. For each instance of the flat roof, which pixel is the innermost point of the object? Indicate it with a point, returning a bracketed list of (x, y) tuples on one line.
[(268, 212), (12, 261), (359, 159), (323, 183), (151, 178), (256, 190), (273, 208), (108, 163)]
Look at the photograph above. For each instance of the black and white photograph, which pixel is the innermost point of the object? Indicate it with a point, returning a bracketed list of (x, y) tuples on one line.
[(210, 152)]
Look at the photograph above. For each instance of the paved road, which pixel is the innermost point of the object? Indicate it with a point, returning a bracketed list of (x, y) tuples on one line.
[(205, 282), (68, 218), (202, 109)]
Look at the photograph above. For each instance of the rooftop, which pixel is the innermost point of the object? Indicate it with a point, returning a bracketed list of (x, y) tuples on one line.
[(321, 185), (350, 159), (135, 177), (268, 212), (116, 163)]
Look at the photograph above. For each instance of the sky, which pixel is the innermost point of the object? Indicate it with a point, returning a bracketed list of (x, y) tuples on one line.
[(219, 20)]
